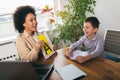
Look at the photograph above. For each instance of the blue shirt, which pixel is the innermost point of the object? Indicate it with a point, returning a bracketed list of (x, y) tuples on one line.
[(94, 47)]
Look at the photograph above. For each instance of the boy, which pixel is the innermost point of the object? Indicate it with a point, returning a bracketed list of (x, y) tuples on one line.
[(94, 44)]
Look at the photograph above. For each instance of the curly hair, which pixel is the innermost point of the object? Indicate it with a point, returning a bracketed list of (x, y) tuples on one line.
[(20, 15)]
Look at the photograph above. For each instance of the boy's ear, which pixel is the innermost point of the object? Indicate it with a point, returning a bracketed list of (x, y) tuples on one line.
[(95, 29)]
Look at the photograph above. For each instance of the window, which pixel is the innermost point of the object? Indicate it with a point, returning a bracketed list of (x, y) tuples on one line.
[(7, 8)]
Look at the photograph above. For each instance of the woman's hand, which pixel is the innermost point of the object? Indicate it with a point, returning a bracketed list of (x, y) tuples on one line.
[(54, 47), (39, 44)]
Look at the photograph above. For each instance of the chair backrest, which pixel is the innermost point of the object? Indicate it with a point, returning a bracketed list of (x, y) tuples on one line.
[(112, 41), (8, 51)]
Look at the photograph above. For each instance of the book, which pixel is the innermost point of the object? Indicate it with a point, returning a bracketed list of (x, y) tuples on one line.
[(47, 49), (70, 72)]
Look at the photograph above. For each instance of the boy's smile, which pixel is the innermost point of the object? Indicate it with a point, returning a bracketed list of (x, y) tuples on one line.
[(89, 30)]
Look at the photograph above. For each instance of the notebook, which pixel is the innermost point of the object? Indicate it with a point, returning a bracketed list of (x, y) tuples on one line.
[(23, 70), (70, 72)]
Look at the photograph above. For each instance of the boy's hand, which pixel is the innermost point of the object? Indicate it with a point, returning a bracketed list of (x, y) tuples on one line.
[(80, 59), (68, 52)]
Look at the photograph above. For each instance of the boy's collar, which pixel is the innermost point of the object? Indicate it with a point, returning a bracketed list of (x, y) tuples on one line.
[(94, 38)]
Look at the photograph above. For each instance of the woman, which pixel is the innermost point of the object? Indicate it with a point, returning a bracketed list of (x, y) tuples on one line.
[(25, 23)]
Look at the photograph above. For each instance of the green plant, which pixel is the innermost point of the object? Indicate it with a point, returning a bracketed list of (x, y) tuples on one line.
[(72, 20)]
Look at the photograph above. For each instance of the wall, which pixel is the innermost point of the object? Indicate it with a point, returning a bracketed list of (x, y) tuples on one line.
[(108, 13)]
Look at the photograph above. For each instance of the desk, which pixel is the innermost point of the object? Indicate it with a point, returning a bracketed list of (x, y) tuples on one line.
[(97, 69)]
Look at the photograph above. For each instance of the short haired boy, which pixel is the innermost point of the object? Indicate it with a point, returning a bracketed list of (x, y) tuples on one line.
[(92, 41)]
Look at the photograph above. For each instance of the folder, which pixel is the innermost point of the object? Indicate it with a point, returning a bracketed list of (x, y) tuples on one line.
[(70, 72)]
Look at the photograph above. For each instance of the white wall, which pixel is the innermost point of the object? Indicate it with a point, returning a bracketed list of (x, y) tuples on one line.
[(108, 13)]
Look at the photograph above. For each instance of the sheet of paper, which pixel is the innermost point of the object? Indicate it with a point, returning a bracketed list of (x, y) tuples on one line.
[(78, 53)]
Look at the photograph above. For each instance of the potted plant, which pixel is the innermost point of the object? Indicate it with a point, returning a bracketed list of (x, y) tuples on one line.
[(72, 20)]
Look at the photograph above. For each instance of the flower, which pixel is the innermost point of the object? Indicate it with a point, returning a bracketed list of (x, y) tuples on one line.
[(50, 14), (46, 9)]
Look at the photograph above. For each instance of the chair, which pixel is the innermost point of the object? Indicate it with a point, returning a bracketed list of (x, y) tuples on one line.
[(8, 51), (112, 45)]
